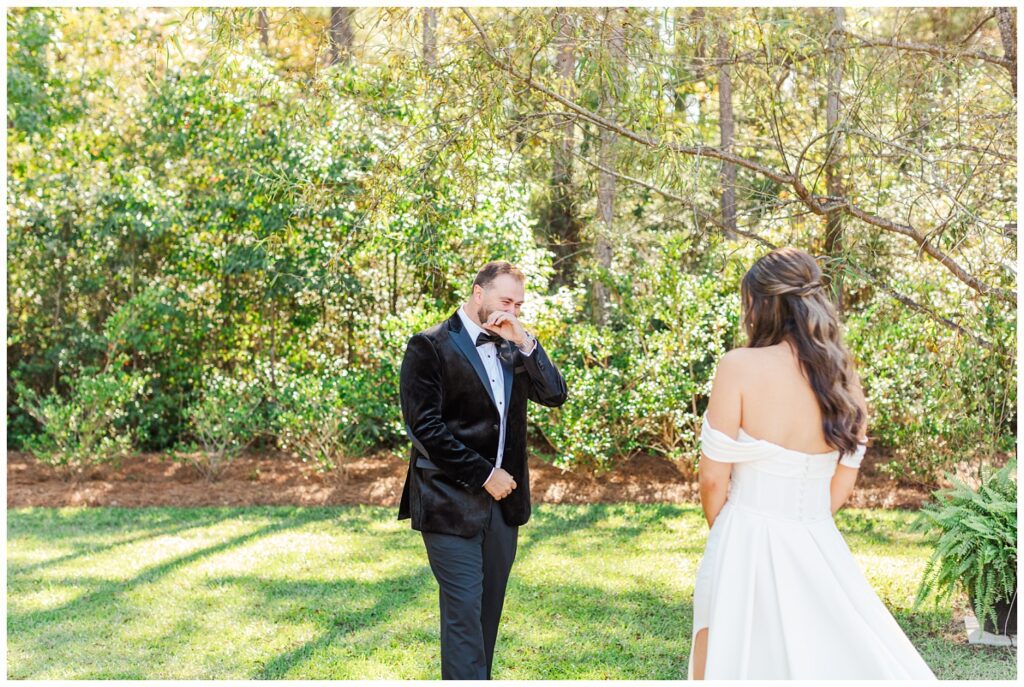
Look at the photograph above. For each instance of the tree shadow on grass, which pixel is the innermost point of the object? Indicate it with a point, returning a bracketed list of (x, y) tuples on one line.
[(107, 591), (565, 521), (101, 604), (388, 597), (637, 634), (14, 570), (392, 594), (136, 667), (579, 630)]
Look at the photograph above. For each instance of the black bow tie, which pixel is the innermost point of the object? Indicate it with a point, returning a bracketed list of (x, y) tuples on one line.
[(486, 338)]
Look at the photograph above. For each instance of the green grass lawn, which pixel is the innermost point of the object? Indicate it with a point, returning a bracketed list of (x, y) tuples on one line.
[(597, 592)]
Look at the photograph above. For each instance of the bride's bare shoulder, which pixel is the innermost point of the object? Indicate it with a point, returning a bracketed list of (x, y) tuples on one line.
[(748, 365), (746, 354), (735, 361), (732, 357)]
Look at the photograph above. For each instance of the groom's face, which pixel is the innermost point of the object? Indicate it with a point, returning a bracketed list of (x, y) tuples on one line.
[(505, 293)]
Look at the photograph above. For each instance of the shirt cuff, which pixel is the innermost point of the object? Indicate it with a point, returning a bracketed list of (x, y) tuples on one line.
[(531, 341), (489, 476)]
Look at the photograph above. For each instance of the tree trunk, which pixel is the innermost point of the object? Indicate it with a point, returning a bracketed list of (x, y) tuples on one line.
[(393, 299), (261, 18), (563, 228), (430, 37), (694, 24), (1007, 19), (436, 284), (726, 127), (341, 34), (615, 53), (700, 51), (834, 156)]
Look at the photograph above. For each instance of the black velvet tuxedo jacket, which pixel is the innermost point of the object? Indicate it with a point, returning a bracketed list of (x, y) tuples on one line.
[(453, 422)]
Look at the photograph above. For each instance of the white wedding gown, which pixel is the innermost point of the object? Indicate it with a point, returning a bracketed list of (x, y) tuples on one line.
[(778, 589)]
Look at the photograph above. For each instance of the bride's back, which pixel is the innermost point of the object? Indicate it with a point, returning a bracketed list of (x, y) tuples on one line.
[(779, 404)]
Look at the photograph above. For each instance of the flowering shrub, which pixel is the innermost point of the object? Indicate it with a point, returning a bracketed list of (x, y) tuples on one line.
[(83, 428)]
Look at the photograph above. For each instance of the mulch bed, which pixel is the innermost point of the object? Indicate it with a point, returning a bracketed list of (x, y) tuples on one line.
[(278, 479)]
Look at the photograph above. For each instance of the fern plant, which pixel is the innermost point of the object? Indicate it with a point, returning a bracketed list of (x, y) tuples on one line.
[(976, 547)]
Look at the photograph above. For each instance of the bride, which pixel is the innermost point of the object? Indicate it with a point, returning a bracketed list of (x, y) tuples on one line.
[(778, 594)]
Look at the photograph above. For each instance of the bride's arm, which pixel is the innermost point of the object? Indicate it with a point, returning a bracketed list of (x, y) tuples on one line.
[(714, 486), (725, 408), (842, 485), (845, 477)]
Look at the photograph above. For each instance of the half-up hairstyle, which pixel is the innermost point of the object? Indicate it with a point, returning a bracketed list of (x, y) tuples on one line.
[(783, 298)]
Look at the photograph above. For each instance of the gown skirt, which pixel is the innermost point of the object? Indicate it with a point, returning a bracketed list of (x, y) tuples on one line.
[(780, 593)]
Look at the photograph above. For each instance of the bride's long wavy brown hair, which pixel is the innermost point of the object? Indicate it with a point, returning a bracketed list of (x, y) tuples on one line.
[(784, 299)]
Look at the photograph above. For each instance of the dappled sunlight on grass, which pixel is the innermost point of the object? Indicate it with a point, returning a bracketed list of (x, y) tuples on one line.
[(44, 599), (597, 592)]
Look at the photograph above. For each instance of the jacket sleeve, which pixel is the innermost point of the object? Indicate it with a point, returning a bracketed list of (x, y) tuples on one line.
[(421, 391), (547, 386)]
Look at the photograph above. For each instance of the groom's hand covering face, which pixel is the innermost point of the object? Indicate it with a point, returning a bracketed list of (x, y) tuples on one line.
[(499, 305), (506, 326)]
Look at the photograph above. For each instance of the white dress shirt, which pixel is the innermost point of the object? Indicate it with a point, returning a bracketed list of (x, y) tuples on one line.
[(488, 353)]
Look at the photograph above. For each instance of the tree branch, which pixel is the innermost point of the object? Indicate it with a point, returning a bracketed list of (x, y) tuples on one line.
[(935, 50), (700, 150), (818, 205), (704, 217), (857, 271)]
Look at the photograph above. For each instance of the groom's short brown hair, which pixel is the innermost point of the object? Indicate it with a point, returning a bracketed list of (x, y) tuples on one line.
[(494, 269)]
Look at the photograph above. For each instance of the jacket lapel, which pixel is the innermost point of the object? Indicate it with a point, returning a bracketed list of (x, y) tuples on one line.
[(468, 349)]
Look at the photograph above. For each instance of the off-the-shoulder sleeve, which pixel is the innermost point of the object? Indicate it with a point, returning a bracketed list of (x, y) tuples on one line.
[(723, 448), (852, 460)]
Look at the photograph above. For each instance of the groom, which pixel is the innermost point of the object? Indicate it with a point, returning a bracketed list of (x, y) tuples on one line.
[(464, 387)]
